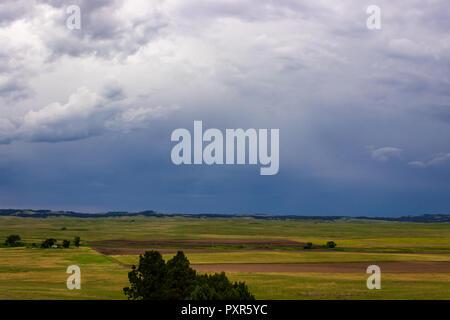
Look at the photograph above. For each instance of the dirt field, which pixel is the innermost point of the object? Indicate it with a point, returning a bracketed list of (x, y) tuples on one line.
[(199, 242), (127, 251), (353, 267), (122, 247)]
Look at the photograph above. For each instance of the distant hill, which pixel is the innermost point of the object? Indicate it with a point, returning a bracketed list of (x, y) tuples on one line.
[(28, 213)]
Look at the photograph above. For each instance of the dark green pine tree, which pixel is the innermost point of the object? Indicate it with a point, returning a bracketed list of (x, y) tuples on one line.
[(181, 278), (148, 280)]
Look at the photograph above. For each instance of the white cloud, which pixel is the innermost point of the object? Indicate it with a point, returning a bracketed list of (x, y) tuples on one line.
[(385, 153), (417, 164), (436, 160), (85, 114)]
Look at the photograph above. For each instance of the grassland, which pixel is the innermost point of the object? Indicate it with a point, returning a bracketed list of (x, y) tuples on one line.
[(34, 273), (27, 273), (270, 257), (307, 286)]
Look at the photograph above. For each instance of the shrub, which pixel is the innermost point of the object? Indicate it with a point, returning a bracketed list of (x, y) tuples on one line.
[(218, 287), (13, 241), (48, 243), (331, 244), (76, 241), (66, 243), (309, 245)]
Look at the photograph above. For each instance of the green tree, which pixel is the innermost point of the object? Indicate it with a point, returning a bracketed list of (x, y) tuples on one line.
[(66, 243), (48, 243), (331, 244), (148, 280), (76, 241), (181, 278), (203, 292), (219, 287), (242, 291), (154, 279), (309, 245), (13, 241)]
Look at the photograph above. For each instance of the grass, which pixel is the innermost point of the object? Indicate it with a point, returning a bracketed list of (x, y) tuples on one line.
[(42, 275), (34, 273), (351, 233), (27, 273), (292, 257), (308, 286)]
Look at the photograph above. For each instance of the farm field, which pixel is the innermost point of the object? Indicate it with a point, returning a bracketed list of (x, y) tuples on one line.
[(267, 255)]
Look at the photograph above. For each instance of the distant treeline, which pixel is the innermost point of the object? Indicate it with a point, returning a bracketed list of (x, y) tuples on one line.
[(425, 218)]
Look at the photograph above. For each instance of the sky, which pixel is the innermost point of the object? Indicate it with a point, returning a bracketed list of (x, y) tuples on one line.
[(86, 115)]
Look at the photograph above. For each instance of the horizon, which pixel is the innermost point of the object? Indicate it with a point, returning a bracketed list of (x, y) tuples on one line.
[(216, 214)]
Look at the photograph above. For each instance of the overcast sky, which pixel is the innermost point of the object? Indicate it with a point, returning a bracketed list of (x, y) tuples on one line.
[(364, 115)]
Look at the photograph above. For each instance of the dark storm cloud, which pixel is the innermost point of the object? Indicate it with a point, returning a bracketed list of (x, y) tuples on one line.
[(13, 10), (14, 89), (106, 30), (363, 115)]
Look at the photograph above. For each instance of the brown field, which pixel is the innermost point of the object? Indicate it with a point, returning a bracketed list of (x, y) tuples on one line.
[(199, 242), (125, 247), (128, 251)]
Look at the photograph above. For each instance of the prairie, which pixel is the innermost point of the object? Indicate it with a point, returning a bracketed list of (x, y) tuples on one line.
[(35, 273)]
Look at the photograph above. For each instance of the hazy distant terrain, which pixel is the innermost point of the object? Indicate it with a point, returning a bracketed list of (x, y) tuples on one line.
[(151, 213)]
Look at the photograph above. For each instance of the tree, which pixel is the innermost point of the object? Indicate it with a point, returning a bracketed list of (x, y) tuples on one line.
[(13, 241), (309, 245), (76, 241), (219, 287), (331, 244), (181, 279), (148, 280), (154, 279), (66, 243), (48, 243)]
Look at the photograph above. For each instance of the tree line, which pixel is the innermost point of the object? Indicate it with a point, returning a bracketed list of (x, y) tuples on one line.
[(15, 240)]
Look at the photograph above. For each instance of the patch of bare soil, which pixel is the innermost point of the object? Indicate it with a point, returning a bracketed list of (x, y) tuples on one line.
[(198, 242), (121, 247), (136, 251)]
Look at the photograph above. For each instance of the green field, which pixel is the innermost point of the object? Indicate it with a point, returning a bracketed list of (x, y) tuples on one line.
[(34, 273), (269, 257)]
